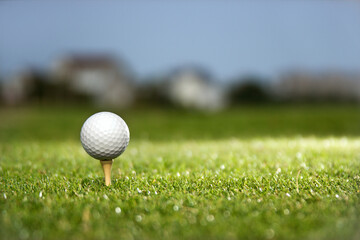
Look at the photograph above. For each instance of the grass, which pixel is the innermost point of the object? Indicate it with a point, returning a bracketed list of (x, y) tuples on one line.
[(249, 173)]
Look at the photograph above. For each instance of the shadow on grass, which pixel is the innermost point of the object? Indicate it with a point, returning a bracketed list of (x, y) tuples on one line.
[(95, 184), (92, 183)]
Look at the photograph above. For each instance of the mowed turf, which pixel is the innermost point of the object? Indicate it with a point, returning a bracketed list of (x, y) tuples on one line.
[(273, 172)]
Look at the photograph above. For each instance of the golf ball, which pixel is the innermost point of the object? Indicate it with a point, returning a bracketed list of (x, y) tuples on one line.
[(104, 136)]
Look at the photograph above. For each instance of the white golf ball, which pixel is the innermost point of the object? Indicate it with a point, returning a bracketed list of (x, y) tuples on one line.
[(104, 136)]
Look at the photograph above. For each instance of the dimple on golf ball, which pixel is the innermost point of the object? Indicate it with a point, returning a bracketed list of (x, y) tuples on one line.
[(104, 136)]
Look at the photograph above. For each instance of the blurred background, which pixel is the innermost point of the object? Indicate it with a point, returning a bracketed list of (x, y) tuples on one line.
[(203, 56)]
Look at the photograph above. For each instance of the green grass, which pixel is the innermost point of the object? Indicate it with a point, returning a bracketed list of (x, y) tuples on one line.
[(267, 172)]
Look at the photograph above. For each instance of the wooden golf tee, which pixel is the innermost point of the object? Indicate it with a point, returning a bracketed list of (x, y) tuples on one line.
[(106, 165)]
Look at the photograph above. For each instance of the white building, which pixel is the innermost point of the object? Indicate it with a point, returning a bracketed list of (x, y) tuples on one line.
[(16, 89), (193, 88), (103, 78)]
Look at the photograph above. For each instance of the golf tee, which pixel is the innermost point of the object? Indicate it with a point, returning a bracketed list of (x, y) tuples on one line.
[(106, 165)]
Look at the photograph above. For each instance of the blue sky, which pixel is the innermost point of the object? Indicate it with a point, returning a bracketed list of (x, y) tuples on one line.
[(230, 38)]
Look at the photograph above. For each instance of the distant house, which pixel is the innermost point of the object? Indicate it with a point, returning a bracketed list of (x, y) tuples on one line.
[(193, 88), (321, 86), (21, 87), (105, 80), (14, 89)]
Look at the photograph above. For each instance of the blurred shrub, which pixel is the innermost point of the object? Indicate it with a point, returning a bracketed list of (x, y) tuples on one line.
[(153, 91), (248, 90)]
